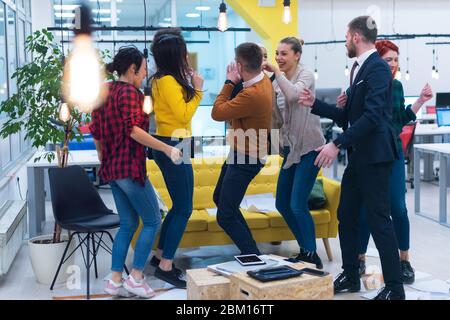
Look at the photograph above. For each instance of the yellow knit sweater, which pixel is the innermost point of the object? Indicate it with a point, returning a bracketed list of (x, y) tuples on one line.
[(173, 114)]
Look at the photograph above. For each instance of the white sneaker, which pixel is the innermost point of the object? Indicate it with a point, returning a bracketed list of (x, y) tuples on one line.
[(117, 290), (139, 288)]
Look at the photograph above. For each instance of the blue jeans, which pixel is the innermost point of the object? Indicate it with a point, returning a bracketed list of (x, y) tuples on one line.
[(134, 200), (293, 190), (399, 213), (230, 190), (179, 179)]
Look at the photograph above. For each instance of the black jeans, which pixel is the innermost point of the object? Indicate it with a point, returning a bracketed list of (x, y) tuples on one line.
[(368, 185), (230, 190)]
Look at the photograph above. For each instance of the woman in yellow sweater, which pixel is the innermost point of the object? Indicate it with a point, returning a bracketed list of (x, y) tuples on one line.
[(176, 92)]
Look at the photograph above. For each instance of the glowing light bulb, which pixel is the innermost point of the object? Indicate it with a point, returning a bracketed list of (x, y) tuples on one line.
[(84, 78), (407, 76), (287, 12), (222, 24), (64, 112), (436, 74), (316, 74), (148, 102), (398, 75), (433, 72), (346, 71)]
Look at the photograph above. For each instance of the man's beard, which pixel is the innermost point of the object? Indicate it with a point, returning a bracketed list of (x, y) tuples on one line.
[(351, 50)]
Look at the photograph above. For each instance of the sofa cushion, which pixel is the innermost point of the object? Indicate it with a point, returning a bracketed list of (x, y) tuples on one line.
[(198, 221), (319, 216), (254, 221)]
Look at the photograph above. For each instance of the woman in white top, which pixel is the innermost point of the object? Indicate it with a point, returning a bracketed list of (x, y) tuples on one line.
[(301, 134)]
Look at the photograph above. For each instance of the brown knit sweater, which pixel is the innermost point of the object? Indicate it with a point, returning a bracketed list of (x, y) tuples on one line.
[(250, 113)]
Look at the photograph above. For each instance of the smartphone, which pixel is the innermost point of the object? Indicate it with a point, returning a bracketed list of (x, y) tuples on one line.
[(315, 272), (249, 260)]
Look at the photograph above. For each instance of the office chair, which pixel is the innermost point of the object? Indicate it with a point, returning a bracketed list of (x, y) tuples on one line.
[(78, 208), (407, 137)]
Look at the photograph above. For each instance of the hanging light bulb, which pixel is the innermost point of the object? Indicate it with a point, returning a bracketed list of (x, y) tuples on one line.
[(148, 101), (222, 24), (346, 71), (407, 76), (433, 72), (316, 74), (436, 74), (64, 112), (398, 75), (287, 12), (84, 78)]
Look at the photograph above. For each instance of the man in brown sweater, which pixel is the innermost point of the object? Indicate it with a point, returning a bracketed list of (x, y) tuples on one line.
[(250, 114)]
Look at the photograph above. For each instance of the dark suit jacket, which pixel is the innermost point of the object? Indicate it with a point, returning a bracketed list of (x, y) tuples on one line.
[(367, 115)]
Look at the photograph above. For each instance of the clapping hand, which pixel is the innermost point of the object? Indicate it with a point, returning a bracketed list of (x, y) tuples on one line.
[(232, 73), (306, 98), (269, 67), (426, 94), (197, 80)]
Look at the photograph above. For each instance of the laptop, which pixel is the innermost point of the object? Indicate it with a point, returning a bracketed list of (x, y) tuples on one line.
[(442, 99), (443, 116)]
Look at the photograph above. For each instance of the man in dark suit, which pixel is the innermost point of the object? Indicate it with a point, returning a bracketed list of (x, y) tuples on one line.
[(370, 142)]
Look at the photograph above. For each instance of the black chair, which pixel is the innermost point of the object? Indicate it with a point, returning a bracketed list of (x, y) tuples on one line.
[(78, 208)]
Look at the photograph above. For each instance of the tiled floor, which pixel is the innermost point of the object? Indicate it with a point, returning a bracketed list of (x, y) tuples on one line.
[(430, 253)]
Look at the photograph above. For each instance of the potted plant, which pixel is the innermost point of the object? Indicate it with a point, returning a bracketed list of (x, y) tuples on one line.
[(35, 108)]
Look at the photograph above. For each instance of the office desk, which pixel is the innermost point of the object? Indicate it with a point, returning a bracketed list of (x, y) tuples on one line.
[(443, 150), (424, 134), (35, 178), (428, 118)]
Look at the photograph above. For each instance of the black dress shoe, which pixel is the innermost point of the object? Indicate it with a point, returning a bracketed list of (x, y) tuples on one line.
[(154, 262), (362, 267), (388, 294), (309, 257), (344, 283), (408, 275), (172, 277)]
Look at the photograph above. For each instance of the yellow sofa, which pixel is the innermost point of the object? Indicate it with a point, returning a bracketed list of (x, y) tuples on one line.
[(203, 229)]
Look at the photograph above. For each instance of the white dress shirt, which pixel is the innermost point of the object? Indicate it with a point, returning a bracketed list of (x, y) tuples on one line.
[(361, 59), (254, 80)]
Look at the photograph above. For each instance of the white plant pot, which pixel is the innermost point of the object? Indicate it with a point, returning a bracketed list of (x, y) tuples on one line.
[(45, 259)]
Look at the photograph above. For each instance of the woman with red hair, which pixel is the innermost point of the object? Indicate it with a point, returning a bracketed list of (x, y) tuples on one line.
[(401, 115)]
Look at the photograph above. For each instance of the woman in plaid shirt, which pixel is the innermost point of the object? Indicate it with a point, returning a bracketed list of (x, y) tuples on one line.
[(401, 116), (120, 133)]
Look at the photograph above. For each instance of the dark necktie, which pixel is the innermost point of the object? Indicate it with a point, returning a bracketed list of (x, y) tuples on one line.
[(352, 72)]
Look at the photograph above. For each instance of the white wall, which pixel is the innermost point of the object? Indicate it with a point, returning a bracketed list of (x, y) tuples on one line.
[(411, 16), (42, 14)]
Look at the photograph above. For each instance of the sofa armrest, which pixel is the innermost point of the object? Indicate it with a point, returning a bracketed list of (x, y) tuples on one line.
[(332, 189)]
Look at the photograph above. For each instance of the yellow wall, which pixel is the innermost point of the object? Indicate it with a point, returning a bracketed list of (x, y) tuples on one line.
[(266, 21)]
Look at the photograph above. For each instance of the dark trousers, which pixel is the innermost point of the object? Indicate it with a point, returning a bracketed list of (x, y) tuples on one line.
[(368, 185), (230, 190), (399, 213)]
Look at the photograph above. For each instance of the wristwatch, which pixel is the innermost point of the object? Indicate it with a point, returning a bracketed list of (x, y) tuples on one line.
[(336, 143), (230, 82)]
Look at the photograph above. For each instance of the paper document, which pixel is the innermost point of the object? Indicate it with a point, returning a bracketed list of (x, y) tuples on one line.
[(261, 203), (422, 275), (432, 286)]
